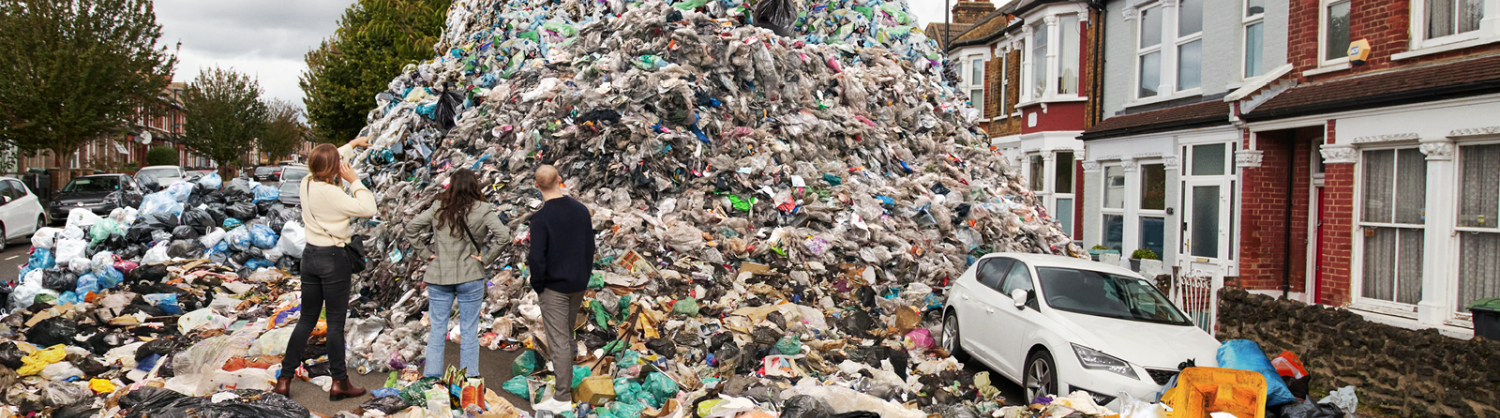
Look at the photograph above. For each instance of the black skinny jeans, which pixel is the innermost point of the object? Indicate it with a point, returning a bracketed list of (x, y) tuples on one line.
[(325, 284)]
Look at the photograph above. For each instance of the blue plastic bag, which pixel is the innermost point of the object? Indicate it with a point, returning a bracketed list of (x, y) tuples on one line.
[(222, 246), (1247, 355), (166, 301), (68, 297), (266, 193), (181, 191), (111, 278), (230, 224), (211, 181), (259, 263), (262, 236), (160, 202), (41, 259), (88, 283), (239, 239)]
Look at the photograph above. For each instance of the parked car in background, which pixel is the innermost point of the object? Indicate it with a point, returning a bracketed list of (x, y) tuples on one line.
[(1058, 324), (291, 179), (165, 175), (99, 193), (268, 173), (21, 213), (197, 174)]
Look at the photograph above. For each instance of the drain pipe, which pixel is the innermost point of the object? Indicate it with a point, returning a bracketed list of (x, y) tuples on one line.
[(1291, 182)]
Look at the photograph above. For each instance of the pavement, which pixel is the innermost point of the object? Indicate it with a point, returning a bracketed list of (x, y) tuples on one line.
[(494, 366)]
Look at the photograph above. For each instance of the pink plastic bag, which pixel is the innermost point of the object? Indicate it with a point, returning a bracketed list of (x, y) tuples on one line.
[(919, 338)]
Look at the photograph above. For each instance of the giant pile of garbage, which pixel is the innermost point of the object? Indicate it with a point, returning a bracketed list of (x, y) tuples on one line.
[(777, 219), (777, 216)]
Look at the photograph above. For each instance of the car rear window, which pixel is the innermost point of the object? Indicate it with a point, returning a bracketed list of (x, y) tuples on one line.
[(159, 172), (93, 184), (266, 170), (293, 174)]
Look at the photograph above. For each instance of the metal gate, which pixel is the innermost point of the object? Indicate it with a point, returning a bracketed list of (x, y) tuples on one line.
[(1196, 293)]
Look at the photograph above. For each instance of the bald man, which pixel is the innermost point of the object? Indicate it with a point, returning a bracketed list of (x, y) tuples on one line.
[(561, 260)]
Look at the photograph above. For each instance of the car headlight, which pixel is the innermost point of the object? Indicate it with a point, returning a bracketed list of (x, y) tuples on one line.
[(1096, 360)]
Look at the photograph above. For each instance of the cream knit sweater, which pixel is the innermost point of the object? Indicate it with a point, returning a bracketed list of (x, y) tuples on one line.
[(327, 208)]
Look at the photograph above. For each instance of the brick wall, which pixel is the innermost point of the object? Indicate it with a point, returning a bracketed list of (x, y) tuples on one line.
[(1395, 371), (1338, 229), (1265, 256), (1385, 24)]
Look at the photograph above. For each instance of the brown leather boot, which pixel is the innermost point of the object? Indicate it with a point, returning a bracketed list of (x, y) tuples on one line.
[(342, 389), (283, 387)]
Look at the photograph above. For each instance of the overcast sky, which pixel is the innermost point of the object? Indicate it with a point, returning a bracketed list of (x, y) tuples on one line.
[(267, 38), (263, 38)]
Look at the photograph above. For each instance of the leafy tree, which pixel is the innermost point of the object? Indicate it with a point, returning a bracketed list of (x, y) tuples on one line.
[(375, 39), (75, 70), (161, 155), (284, 129), (223, 115)]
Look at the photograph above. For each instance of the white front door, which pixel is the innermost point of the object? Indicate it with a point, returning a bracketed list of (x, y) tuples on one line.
[(1206, 226)]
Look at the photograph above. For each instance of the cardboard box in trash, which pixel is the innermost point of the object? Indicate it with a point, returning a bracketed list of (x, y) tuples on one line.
[(595, 390)]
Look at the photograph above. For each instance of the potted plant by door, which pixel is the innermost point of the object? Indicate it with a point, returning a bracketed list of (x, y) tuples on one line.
[(1141, 254)]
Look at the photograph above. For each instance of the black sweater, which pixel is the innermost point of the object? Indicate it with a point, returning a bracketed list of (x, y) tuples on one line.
[(562, 246)]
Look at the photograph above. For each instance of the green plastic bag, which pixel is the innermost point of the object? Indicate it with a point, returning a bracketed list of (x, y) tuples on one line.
[(867, 11), (789, 345), (516, 385), (580, 373), (102, 229), (525, 364), (686, 306), (740, 203), (661, 387), (415, 395), (626, 410), (558, 27), (596, 281), (832, 179), (690, 4), (628, 358)]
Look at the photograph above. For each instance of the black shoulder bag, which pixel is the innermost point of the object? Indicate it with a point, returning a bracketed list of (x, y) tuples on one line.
[(354, 250)]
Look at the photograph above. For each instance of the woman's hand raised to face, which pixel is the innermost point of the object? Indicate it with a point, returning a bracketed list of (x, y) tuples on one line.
[(363, 141), (347, 172)]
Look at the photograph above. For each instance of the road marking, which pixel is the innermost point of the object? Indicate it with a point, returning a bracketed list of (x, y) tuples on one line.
[(12, 257)]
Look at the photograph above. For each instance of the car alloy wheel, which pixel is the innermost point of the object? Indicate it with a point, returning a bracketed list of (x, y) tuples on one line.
[(950, 334), (1041, 376)]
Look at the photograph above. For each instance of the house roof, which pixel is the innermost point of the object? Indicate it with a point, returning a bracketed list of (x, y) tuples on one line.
[(1209, 113), (983, 30), (1436, 81), (935, 32)]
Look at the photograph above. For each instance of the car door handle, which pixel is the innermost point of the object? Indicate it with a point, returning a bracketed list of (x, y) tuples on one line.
[(990, 311), (966, 297)]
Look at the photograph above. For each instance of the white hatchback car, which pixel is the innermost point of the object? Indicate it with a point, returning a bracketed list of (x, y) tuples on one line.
[(21, 214), (1057, 324)]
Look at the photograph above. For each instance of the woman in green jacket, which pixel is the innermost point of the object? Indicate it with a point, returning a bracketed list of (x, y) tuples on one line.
[(461, 222)]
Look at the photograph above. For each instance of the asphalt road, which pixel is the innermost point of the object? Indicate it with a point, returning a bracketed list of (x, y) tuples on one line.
[(13, 257)]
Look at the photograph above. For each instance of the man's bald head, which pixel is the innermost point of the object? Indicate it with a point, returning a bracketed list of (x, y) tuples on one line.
[(547, 178)]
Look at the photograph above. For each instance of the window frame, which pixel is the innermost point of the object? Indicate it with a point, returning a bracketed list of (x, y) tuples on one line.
[(1245, 23), (1456, 311), (1161, 65), (977, 64), (1419, 37), (1323, 16), (1031, 50), (1357, 241), (1178, 40), (1004, 82), (1062, 52)]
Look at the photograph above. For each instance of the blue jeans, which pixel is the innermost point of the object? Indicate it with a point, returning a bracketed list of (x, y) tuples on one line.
[(440, 307)]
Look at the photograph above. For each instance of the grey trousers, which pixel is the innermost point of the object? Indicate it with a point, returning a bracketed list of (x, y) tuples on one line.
[(559, 313)]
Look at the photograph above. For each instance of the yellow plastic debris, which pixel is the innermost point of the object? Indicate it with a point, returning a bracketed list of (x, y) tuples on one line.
[(101, 386), (34, 363)]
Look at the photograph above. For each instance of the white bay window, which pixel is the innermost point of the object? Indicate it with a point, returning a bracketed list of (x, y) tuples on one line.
[(1052, 58)]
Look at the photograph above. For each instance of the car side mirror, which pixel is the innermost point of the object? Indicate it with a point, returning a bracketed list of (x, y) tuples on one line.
[(1019, 296), (6, 198)]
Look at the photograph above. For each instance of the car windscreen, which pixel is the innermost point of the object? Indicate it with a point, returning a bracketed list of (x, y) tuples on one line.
[(93, 184), (293, 174), (1107, 295), (159, 172)]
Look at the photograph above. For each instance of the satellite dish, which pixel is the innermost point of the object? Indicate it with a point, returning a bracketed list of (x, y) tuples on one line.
[(146, 138)]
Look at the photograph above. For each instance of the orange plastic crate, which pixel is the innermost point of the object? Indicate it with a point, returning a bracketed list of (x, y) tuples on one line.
[(1201, 391)]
